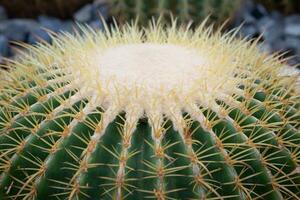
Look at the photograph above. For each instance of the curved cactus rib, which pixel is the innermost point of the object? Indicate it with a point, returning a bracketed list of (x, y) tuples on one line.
[(216, 123)]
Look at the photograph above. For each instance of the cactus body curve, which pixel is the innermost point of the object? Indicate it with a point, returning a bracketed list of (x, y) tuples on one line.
[(166, 113)]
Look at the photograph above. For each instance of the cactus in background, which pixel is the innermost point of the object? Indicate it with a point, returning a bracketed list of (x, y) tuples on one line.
[(184, 10), (159, 113)]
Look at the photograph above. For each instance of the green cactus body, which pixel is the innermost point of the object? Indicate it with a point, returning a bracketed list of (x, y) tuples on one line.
[(183, 10), (163, 113)]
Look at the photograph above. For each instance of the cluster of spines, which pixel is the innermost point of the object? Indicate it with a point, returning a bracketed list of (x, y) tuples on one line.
[(60, 140), (57, 143)]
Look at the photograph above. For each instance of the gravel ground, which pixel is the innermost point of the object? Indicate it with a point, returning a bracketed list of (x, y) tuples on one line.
[(279, 33), (34, 30)]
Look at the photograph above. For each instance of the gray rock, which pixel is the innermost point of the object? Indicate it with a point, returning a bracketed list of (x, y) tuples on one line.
[(292, 19), (280, 33), (99, 2), (40, 33), (292, 25), (265, 22), (279, 45), (37, 35), (259, 11), (242, 15), (292, 42), (51, 23), (273, 33), (67, 26), (292, 29), (3, 14), (272, 30), (17, 29), (100, 8), (248, 18), (3, 25), (249, 30), (4, 46), (84, 14), (97, 25), (276, 15)]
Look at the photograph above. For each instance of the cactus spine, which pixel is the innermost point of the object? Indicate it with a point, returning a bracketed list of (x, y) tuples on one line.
[(184, 10), (161, 113)]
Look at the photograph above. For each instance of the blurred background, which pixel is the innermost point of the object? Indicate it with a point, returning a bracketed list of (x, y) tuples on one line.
[(26, 20)]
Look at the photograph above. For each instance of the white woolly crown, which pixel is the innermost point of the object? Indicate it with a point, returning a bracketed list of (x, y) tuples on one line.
[(155, 72)]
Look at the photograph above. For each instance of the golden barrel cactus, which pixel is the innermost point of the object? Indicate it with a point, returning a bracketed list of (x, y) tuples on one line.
[(159, 113)]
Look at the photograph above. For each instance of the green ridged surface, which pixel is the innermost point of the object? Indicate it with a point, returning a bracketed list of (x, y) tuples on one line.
[(251, 157), (57, 142), (184, 10)]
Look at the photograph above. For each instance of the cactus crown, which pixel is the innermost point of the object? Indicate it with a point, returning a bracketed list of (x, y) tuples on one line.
[(164, 113)]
